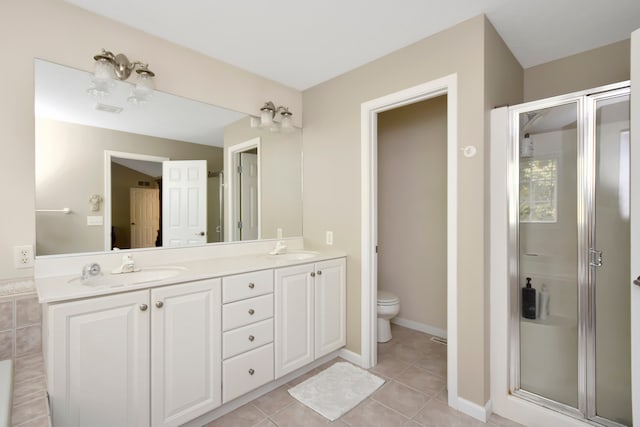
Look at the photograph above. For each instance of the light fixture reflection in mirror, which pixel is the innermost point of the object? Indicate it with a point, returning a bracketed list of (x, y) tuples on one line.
[(73, 132)]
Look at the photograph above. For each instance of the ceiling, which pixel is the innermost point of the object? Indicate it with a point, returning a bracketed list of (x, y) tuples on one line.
[(302, 43)]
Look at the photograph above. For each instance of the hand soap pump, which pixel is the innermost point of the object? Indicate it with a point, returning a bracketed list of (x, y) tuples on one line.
[(528, 301)]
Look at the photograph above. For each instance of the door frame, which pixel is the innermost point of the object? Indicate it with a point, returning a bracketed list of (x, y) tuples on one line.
[(108, 155), (447, 85), (231, 159), (634, 145)]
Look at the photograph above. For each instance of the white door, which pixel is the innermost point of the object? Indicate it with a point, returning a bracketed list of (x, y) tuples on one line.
[(185, 351), (330, 306), (635, 225), (294, 316), (144, 216), (249, 196), (100, 361), (184, 202)]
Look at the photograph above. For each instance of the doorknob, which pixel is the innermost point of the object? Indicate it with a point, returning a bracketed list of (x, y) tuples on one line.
[(637, 281), (200, 233), (133, 223)]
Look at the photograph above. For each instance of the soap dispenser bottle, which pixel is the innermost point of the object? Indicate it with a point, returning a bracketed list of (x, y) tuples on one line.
[(528, 301)]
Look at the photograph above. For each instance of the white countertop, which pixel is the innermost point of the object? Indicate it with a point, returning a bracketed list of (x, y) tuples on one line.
[(58, 289)]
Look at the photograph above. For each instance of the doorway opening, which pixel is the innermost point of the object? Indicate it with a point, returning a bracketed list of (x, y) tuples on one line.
[(370, 207), (131, 200)]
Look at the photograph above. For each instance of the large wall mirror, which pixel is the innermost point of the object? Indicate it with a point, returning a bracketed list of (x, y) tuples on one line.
[(168, 172)]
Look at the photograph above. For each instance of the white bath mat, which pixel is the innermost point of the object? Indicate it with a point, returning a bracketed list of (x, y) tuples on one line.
[(336, 390)]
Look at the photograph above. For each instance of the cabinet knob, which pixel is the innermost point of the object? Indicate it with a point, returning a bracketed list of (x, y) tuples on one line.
[(313, 274), (251, 372), (319, 272), (159, 304), (143, 307), (251, 311), (252, 285), (251, 338)]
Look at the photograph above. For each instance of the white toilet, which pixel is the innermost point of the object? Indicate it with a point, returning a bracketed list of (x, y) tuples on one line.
[(388, 308)]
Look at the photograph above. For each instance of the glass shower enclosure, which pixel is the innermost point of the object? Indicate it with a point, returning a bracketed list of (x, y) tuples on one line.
[(569, 238)]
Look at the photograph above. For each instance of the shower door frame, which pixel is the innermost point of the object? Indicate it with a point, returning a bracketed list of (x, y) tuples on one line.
[(586, 161)]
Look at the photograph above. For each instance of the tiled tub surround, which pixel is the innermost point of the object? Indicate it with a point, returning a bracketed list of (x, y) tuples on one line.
[(21, 340), (62, 299)]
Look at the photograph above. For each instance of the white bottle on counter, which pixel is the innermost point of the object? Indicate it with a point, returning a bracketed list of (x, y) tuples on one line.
[(543, 303)]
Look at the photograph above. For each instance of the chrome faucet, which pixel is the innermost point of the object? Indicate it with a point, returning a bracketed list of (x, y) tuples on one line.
[(90, 270), (279, 249), (128, 265)]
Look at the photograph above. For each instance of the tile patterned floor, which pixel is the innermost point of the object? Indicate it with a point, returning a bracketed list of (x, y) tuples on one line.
[(30, 407), (414, 394)]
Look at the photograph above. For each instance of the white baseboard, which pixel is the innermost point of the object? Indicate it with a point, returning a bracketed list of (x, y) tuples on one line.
[(474, 410), (352, 357), (422, 327)]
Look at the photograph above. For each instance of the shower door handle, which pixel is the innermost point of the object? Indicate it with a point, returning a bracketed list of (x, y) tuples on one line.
[(595, 258)]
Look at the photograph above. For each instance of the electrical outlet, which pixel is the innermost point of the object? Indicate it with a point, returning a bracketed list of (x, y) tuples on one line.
[(329, 237), (23, 256)]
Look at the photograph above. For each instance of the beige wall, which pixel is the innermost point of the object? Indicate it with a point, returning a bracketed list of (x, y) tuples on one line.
[(70, 160), (412, 209), (332, 143), (280, 175), (62, 33), (593, 68)]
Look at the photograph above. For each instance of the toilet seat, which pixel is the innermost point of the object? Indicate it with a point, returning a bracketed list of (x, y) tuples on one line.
[(387, 298)]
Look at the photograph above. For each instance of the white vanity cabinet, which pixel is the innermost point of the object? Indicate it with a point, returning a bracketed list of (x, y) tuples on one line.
[(149, 357), (247, 338), (310, 305)]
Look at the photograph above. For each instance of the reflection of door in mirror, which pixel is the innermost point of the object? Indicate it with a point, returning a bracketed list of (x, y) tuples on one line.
[(145, 216), (243, 191), (248, 196), (184, 202)]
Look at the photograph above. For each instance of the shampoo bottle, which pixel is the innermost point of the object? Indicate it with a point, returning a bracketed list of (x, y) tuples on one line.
[(528, 301)]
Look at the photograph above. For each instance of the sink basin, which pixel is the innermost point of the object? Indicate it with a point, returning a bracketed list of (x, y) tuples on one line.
[(144, 275), (295, 256)]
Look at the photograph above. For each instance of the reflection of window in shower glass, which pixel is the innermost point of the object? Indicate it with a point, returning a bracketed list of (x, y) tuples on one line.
[(538, 190)]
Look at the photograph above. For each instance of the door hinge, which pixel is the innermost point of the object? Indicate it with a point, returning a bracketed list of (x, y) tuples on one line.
[(376, 248), (240, 169), (240, 225)]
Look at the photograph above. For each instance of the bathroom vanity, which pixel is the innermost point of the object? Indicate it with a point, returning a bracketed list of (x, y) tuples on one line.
[(164, 352)]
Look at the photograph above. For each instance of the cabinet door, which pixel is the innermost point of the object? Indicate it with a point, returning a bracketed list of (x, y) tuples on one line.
[(185, 351), (294, 318), (330, 306), (99, 354)]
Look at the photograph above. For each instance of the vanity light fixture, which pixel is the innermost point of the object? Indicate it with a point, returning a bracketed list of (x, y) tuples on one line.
[(274, 118), (109, 67)]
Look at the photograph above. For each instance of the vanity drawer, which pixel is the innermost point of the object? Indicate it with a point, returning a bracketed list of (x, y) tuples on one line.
[(246, 372), (247, 285), (247, 311), (247, 338)]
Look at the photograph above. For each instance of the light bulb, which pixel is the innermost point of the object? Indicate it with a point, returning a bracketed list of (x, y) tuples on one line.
[(286, 124), (266, 118)]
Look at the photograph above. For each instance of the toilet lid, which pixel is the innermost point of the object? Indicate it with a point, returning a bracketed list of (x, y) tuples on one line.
[(387, 298)]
